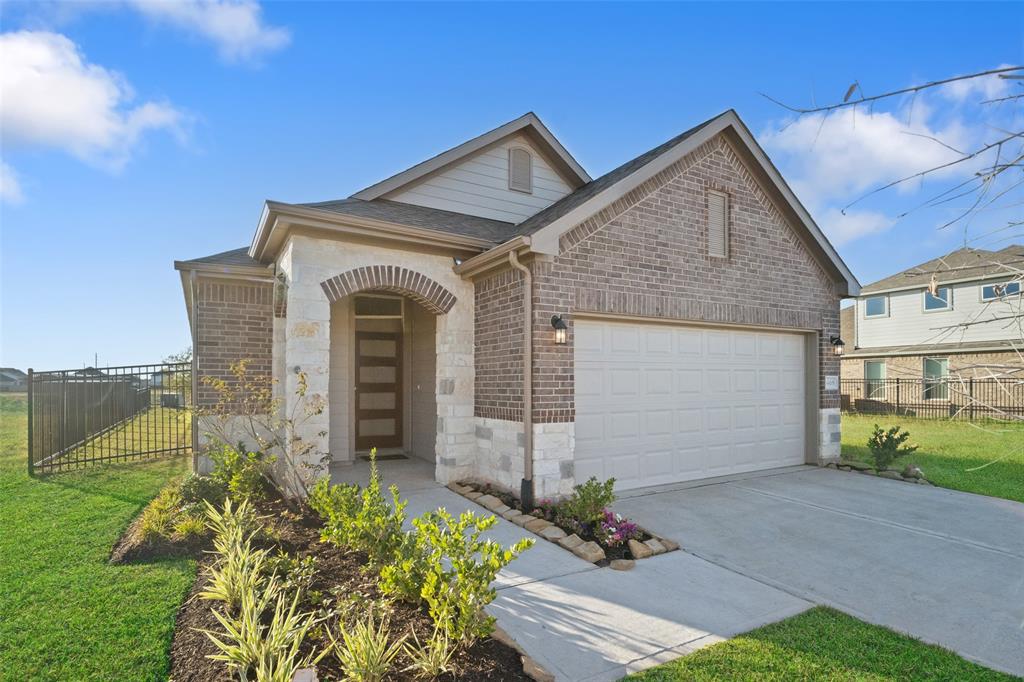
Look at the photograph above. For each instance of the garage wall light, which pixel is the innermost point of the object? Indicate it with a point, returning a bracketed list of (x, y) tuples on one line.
[(838, 346), (559, 326)]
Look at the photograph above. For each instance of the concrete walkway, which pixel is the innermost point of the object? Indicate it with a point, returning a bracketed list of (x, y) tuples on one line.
[(944, 566), (585, 623)]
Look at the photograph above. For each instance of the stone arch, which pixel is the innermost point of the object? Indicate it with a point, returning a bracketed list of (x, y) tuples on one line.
[(420, 288)]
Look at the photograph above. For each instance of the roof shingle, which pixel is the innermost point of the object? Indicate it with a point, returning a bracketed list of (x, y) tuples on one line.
[(962, 264)]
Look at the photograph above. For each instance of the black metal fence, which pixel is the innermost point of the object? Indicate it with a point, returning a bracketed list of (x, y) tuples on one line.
[(950, 398), (78, 417)]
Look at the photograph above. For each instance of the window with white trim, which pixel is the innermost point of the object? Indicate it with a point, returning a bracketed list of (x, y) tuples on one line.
[(994, 292), (874, 379), (520, 170), (718, 224), (936, 378), (876, 306), (942, 300)]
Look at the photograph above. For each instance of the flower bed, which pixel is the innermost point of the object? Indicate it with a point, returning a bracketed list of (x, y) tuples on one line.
[(583, 524)]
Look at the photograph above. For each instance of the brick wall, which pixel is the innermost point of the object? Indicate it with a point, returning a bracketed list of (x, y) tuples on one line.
[(646, 255), (498, 355), (964, 365), (235, 321)]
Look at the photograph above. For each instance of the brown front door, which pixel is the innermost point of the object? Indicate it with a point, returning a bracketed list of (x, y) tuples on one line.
[(378, 390)]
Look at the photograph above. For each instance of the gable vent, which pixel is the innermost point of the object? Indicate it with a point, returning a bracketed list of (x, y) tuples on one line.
[(718, 224), (520, 170)]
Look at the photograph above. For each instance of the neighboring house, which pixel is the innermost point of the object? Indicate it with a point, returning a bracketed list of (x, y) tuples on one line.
[(958, 315), (12, 380), (675, 316)]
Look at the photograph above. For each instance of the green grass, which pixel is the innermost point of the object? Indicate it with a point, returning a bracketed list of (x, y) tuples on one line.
[(985, 457), (65, 613), (821, 644)]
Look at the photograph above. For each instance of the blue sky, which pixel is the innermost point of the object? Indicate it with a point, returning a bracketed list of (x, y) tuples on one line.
[(165, 127)]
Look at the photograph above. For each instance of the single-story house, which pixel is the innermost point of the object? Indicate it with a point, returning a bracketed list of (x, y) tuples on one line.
[(13, 379), (499, 313)]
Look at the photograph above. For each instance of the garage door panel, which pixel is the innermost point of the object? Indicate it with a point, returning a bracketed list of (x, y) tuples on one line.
[(657, 404)]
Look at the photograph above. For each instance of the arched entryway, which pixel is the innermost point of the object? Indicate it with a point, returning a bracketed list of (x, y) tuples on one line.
[(384, 368)]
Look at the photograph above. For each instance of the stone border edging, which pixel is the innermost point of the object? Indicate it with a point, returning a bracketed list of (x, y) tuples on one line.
[(586, 550), (911, 474)]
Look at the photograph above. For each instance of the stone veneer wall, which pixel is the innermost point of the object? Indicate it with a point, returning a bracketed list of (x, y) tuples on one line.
[(308, 262)]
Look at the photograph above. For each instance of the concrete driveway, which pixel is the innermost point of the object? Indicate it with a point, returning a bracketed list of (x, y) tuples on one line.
[(944, 566)]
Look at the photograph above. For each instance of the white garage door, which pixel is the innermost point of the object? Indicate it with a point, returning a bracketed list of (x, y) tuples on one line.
[(658, 404)]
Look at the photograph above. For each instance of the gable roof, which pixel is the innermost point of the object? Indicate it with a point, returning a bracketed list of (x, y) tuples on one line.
[(962, 265), (528, 124)]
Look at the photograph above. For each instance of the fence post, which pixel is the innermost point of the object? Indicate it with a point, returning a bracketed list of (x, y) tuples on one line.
[(31, 452), (970, 395), (897, 395)]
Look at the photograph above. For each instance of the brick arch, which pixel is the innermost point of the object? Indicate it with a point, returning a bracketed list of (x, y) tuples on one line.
[(399, 280)]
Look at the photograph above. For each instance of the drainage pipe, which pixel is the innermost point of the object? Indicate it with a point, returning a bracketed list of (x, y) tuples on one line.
[(526, 486)]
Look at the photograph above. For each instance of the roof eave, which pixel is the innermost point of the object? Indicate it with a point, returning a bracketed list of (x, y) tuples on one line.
[(278, 218), (493, 258)]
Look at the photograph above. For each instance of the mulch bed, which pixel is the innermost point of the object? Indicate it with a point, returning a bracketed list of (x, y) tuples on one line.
[(338, 570), (132, 548)]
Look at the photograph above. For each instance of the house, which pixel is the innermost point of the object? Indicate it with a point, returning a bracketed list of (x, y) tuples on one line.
[(954, 316), (675, 316), (12, 379)]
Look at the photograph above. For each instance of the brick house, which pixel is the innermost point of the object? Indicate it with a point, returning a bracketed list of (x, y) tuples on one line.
[(675, 317), (950, 317)]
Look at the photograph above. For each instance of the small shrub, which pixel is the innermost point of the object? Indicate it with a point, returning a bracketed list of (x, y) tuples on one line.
[(365, 650), (243, 473), (234, 523), (887, 446), (589, 501), (295, 575), (197, 489), (452, 569), (257, 649), (432, 658), (190, 526), (158, 518), (240, 568)]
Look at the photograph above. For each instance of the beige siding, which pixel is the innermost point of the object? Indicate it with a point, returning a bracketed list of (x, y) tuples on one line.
[(478, 186), (908, 324)]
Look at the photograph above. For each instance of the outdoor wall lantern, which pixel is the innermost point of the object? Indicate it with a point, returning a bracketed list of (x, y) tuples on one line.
[(837, 346), (559, 325)]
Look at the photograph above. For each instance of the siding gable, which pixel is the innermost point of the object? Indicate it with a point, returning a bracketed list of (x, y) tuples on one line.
[(479, 185)]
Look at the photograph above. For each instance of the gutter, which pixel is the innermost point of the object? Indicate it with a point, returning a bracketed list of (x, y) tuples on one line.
[(526, 486), (493, 258)]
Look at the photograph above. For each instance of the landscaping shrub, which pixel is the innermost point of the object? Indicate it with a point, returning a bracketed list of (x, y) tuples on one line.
[(245, 474), (432, 658), (446, 565), (197, 489), (158, 518), (887, 446), (190, 526), (240, 568), (365, 650), (589, 501), (295, 575)]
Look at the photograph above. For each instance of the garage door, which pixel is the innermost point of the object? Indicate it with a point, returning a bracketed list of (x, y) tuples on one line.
[(657, 404)]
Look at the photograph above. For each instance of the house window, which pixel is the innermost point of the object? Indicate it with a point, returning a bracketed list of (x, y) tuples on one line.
[(874, 379), (936, 378), (718, 224), (876, 306), (520, 170), (942, 300), (993, 292), (378, 307)]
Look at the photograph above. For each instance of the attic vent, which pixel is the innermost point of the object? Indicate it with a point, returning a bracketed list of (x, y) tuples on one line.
[(718, 224), (520, 170)]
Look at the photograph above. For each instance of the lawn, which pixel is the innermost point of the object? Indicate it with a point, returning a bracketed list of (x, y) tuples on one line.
[(66, 614), (821, 644), (984, 457)]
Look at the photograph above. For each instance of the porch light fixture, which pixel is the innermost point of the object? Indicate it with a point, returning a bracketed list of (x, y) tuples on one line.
[(559, 325), (838, 346)]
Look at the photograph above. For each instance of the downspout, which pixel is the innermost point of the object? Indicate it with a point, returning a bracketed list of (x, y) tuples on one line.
[(195, 370), (526, 486)]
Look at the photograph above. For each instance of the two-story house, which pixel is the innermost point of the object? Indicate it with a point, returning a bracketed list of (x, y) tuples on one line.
[(959, 315)]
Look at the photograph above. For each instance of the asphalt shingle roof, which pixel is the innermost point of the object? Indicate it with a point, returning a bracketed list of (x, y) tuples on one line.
[(232, 257), (495, 231), (962, 264)]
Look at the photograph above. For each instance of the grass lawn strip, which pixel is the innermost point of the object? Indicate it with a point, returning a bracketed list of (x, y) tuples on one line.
[(67, 614), (821, 644), (985, 457)]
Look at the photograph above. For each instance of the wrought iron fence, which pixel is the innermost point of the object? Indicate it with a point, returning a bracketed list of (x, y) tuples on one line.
[(950, 398), (78, 417)]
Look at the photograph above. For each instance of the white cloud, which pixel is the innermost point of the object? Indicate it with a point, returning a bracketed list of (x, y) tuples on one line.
[(236, 27), (979, 89), (842, 229), (50, 96), (10, 187)]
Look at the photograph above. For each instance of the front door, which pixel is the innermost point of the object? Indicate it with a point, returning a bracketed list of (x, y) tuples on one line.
[(378, 390)]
